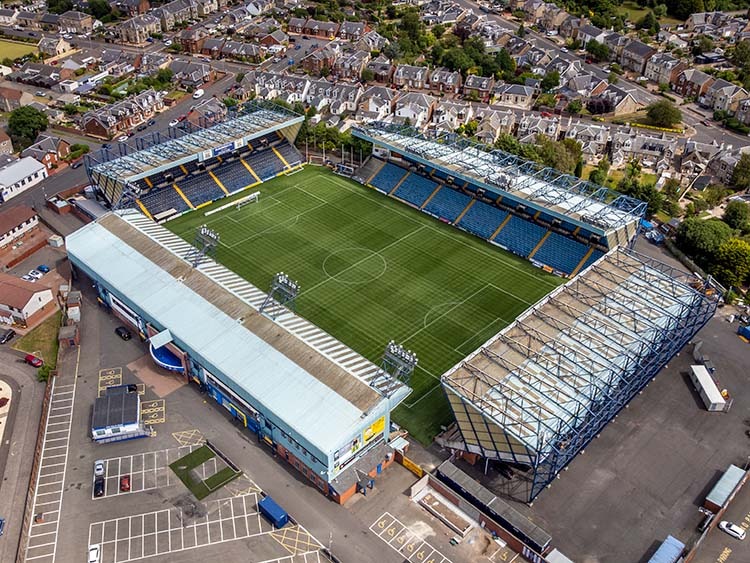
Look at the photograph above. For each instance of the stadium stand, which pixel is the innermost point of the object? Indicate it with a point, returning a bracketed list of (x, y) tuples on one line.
[(447, 203), (234, 176), (388, 178), (415, 189), (266, 140), (482, 219), (520, 236), (200, 189), (561, 253), (591, 259), (161, 200), (265, 164), (290, 154)]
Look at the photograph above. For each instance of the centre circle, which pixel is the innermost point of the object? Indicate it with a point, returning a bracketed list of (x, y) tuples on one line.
[(354, 265)]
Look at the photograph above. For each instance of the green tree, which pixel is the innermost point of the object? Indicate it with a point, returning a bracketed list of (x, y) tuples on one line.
[(702, 239), (562, 155), (24, 124), (660, 10), (521, 31), (732, 262), (59, 6), (664, 113), (575, 107), (367, 75), (671, 189), (438, 30), (737, 215), (714, 194), (598, 51), (239, 77), (741, 53), (99, 9), (648, 22), (703, 45), (578, 172), (612, 78), (550, 81), (741, 173), (599, 174)]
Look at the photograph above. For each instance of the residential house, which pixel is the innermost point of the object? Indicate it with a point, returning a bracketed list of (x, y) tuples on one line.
[(493, 122), (584, 86), (257, 7), (722, 95), (415, 107), (553, 17), (723, 165), (15, 222), (672, 40), (269, 86), (7, 16), (743, 111), (411, 76), (339, 97), (696, 156), (192, 39), (382, 69), (449, 115), (352, 31), (653, 152), (6, 145), (53, 46), (19, 176), (635, 55), (513, 95), (191, 74), (317, 28), (588, 32), (130, 8), (276, 37), (692, 83), (446, 81), (663, 68), (76, 22), (120, 116), (320, 62), (295, 25), (478, 87), (536, 59), (534, 10), (23, 303), (175, 12), (593, 138), (48, 149), (372, 41), (569, 27), (11, 98), (532, 125), (615, 100), (138, 29), (51, 22), (207, 7), (28, 20), (207, 112), (350, 65), (615, 42), (236, 50), (376, 103), (699, 20)]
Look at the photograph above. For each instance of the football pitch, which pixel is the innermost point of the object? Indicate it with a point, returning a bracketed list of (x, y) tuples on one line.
[(372, 270)]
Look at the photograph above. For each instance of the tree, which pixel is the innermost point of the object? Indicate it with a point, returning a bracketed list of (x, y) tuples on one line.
[(703, 45), (599, 174), (741, 53), (438, 30), (99, 9), (732, 262), (578, 172), (660, 10), (575, 107), (598, 51), (737, 215), (671, 189), (24, 124), (714, 194), (239, 77), (702, 239), (367, 75), (521, 30), (550, 81), (664, 113), (741, 173), (648, 22), (59, 6), (612, 78)]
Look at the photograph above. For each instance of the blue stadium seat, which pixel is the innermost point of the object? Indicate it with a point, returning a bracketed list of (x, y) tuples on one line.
[(269, 138), (447, 203), (568, 226), (387, 178), (591, 259), (561, 253), (234, 176), (265, 164), (520, 236), (164, 199), (482, 219), (200, 189), (544, 217), (415, 189), (290, 154)]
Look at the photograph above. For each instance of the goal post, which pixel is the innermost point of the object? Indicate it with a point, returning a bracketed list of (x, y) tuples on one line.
[(252, 198)]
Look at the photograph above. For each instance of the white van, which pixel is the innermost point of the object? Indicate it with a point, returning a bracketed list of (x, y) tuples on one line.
[(198, 94)]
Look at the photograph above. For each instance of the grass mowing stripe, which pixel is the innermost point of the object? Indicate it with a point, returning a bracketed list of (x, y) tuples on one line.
[(372, 270)]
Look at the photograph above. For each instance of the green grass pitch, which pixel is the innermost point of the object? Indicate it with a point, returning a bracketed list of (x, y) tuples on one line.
[(371, 270)]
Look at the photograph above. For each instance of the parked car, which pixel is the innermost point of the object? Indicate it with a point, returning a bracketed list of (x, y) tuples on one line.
[(732, 529), (7, 335), (94, 553), (2, 526), (151, 122), (76, 163), (174, 122), (99, 486), (28, 278), (198, 94), (168, 42), (123, 333), (564, 50), (141, 127), (32, 360), (123, 139), (36, 274), (124, 483), (99, 468), (43, 268)]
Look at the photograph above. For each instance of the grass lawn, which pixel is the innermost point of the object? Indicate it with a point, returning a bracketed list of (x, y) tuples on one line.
[(373, 270), (176, 95), (201, 488), (15, 49), (634, 12), (42, 341)]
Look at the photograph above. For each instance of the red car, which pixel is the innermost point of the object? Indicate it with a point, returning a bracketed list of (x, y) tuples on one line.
[(32, 360), (546, 114), (125, 483)]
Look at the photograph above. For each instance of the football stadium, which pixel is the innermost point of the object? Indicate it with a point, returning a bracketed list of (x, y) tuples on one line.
[(442, 284)]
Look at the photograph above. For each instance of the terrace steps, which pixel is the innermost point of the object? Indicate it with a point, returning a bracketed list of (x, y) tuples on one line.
[(539, 244), (500, 228), (433, 194), (465, 211), (183, 196)]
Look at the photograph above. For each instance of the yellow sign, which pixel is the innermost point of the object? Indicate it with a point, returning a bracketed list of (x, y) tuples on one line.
[(376, 428), (413, 467)]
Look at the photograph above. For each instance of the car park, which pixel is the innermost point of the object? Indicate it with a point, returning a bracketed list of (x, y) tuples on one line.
[(123, 333), (32, 360), (732, 529), (94, 553), (6, 335), (99, 468), (36, 274), (125, 483)]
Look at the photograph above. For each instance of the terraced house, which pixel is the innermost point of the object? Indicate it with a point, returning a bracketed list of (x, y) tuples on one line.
[(110, 120)]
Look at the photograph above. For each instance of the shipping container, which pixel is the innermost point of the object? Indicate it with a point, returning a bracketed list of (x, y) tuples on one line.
[(273, 512)]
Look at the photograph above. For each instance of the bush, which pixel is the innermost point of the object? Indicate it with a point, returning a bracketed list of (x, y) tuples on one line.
[(43, 373)]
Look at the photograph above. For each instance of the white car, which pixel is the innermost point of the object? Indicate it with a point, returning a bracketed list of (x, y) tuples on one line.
[(168, 42), (28, 278), (564, 50), (36, 274), (94, 553), (123, 139), (99, 468), (732, 529), (198, 94), (174, 122)]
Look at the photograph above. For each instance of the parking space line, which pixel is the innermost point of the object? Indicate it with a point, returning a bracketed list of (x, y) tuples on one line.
[(388, 525)]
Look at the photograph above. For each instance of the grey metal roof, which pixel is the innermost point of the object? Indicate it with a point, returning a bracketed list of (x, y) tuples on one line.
[(115, 409), (17, 171)]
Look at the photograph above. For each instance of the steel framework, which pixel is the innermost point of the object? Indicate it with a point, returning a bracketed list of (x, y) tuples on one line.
[(281, 297), (521, 180), (540, 390)]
